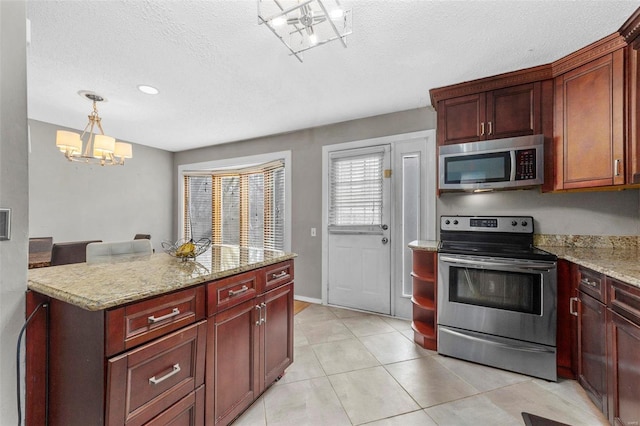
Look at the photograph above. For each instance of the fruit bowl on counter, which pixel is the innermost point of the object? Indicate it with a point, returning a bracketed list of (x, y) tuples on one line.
[(186, 249)]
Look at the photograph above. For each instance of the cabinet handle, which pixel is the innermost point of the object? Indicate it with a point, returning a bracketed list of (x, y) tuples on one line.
[(490, 127), (482, 129), (616, 167), (280, 275), (173, 372), (571, 310), (589, 283), (264, 305), (259, 308), (244, 289), (152, 319)]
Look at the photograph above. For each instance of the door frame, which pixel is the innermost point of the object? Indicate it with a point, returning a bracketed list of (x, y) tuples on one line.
[(428, 218)]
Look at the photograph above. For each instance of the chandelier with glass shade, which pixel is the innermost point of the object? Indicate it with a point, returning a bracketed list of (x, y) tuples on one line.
[(304, 24), (98, 148)]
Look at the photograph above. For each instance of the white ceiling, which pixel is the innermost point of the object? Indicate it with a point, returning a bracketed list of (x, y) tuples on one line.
[(223, 78)]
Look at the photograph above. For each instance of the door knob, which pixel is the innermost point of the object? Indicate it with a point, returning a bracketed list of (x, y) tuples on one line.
[(384, 227), (385, 240)]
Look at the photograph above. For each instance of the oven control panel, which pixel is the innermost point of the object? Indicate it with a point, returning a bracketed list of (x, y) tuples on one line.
[(518, 224)]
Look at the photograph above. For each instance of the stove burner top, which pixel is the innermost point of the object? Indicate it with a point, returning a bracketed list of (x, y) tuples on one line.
[(495, 236), (493, 250)]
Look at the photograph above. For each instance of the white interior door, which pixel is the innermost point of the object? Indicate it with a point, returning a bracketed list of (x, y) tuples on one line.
[(359, 250)]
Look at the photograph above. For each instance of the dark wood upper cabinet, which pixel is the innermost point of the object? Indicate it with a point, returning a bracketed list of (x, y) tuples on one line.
[(589, 124), (501, 113)]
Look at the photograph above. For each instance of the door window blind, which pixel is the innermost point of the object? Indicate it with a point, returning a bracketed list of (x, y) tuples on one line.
[(245, 207), (356, 188)]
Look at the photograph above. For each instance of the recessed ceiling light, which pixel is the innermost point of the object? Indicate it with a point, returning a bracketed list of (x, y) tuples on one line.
[(149, 90)]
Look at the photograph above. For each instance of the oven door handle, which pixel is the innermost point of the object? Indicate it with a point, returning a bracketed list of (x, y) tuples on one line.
[(488, 340), (485, 262)]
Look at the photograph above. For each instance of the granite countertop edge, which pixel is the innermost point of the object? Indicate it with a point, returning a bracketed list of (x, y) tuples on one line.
[(100, 287)]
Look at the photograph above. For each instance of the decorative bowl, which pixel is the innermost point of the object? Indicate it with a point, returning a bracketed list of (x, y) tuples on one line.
[(174, 249)]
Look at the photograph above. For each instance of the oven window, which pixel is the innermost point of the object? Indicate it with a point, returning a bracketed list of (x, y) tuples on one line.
[(511, 291)]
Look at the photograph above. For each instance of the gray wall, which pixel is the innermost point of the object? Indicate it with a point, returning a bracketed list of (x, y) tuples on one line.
[(583, 213), (13, 194), (306, 149), (75, 201)]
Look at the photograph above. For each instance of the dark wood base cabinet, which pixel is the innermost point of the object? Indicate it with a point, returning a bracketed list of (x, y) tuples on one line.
[(623, 321), (198, 356), (249, 344)]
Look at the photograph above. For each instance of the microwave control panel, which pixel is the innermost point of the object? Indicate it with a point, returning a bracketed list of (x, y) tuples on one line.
[(526, 164)]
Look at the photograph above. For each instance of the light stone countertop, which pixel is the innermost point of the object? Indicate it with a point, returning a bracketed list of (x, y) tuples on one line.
[(620, 263), (424, 245), (105, 285)]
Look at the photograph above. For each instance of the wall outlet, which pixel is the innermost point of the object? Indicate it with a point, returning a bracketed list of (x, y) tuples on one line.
[(313, 232)]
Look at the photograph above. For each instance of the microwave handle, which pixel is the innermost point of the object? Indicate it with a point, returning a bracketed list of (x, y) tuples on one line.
[(512, 176)]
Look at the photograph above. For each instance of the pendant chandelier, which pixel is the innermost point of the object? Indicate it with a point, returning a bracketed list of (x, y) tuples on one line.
[(99, 148), (304, 24)]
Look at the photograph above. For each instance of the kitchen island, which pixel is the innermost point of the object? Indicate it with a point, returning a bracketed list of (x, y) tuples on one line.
[(154, 339)]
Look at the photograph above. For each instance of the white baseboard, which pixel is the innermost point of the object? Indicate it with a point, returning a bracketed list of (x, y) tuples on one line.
[(308, 299)]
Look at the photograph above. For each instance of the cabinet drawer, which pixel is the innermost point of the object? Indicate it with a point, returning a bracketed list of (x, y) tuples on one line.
[(146, 381), (188, 411), (276, 275), (228, 292), (592, 283), (625, 300), (141, 322)]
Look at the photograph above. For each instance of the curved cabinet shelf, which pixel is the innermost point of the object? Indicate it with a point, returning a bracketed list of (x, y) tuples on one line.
[(424, 298)]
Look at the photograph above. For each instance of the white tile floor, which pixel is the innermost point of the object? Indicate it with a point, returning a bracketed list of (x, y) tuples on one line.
[(352, 368)]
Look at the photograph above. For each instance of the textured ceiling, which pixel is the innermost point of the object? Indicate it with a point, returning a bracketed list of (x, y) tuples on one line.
[(223, 78)]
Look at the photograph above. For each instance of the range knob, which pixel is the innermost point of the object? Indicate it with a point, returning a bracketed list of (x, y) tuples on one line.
[(446, 222), (455, 221), (514, 223), (524, 223)]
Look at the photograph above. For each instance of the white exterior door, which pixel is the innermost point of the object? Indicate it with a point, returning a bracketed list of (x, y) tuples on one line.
[(359, 228)]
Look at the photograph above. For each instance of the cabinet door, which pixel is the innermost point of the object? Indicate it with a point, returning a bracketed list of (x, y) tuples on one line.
[(589, 127), (624, 374), (234, 356), (462, 119), (277, 329), (514, 111), (592, 349)]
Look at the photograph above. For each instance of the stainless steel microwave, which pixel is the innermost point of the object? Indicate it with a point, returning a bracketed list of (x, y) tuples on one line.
[(495, 164)]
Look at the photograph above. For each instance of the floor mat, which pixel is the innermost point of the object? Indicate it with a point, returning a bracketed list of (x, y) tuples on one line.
[(533, 420)]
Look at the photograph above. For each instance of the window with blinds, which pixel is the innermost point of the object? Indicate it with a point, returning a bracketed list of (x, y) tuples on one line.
[(355, 189), (243, 207)]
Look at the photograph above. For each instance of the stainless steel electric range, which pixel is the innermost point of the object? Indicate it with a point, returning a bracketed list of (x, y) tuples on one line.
[(496, 294)]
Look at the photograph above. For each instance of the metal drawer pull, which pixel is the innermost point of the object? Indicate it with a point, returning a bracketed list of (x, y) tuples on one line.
[(244, 289), (589, 283), (616, 168), (152, 319), (176, 370), (482, 128), (264, 305), (571, 310), (490, 127), (280, 275)]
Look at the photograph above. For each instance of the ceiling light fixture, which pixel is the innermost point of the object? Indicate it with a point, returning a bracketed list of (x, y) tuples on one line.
[(304, 24), (149, 90), (99, 148)]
